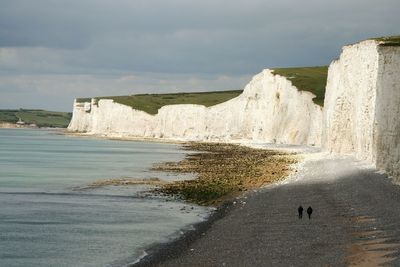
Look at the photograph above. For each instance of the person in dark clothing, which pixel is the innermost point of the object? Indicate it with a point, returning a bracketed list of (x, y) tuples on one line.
[(300, 210), (309, 211)]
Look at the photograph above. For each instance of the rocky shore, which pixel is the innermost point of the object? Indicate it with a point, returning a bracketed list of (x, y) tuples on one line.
[(354, 223), (224, 171)]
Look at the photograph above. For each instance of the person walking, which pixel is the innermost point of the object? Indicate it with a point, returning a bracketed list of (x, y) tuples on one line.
[(300, 210), (309, 212)]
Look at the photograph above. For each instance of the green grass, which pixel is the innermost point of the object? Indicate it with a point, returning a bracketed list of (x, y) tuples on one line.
[(389, 40), (41, 118), (151, 103), (312, 79), (8, 116)]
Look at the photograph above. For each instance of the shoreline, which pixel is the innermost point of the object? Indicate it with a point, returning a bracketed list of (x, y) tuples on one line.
[(120, 138), (242, 142), (160, 252), (12, 126), (155, 213), (345, 230), (157, 253), (182, 247), (6, 125)]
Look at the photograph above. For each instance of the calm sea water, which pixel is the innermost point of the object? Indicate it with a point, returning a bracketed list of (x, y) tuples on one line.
[(46, 221)]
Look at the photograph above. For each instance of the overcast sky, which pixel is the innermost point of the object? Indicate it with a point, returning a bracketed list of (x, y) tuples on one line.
[(53, 51)]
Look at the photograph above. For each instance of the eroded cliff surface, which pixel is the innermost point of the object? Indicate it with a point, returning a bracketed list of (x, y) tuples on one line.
[(270, 109), (362, 105), (387, 117), (350, 97)]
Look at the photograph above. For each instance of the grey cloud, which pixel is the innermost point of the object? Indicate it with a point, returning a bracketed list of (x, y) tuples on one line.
[(29, 91), (208, 38), (194, 36)]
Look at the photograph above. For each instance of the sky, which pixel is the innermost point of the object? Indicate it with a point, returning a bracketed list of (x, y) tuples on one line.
[(52, 51)]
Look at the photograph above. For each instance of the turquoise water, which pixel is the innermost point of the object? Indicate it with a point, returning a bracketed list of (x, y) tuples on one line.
[(46, 221)]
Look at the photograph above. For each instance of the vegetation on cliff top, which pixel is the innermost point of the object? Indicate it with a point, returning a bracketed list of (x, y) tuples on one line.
[(311, 79), (41, 118), (389, 40), (151, 103), (224, 171)]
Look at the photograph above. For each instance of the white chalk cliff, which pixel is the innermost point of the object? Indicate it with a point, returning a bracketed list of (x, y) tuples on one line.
[(361, 113), (270, 109), (362, 105)]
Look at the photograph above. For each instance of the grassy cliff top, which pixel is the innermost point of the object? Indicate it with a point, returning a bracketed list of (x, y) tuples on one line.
[(151, 103), (41, 118), (389, 40), (312, 79)]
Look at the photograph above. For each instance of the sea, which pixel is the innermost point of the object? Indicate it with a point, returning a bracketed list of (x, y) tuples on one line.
[(50, 216)]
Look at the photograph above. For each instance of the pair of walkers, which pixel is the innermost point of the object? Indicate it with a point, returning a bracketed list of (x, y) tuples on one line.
[(309, 212)]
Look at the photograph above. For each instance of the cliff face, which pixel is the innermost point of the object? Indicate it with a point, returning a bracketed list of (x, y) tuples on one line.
[(350, 97), (362, 105), (387, 117), (111, 119), (270, 109), (361, 111)]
